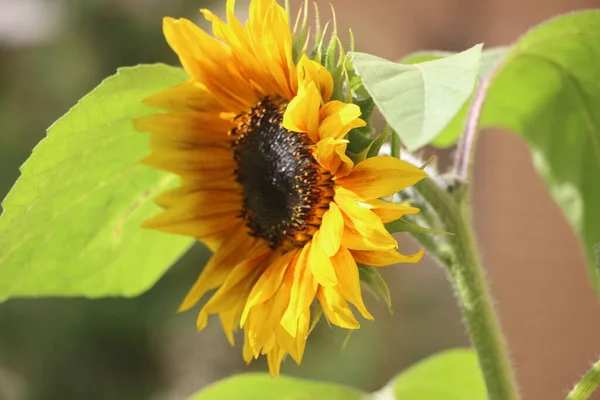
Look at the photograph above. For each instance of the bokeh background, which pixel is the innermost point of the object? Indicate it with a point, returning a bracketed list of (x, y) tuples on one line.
[(54, 51)]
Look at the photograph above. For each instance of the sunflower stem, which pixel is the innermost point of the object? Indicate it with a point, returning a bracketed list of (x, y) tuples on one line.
[(482, 320), (587, 385), (467, 275), (465, 153)]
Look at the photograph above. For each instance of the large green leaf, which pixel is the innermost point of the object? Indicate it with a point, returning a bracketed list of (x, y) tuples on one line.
[(489, 57), (548, 91), (70, 224), (419, 100), (450, 375), (453, 131), (263, 387)]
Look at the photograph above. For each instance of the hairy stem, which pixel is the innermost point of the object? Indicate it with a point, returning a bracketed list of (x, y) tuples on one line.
[(481, 318), (586, 386), (472, 292), (466, 147)]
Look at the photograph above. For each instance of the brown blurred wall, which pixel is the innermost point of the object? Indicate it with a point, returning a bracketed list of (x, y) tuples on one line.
[(550, 315)]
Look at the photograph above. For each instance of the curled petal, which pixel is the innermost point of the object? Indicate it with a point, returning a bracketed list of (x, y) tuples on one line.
[(383, 258), (302, 113), (337, 119), (379, 177)]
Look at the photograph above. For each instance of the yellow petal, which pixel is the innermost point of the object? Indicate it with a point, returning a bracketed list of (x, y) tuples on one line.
[(268, 283), (247, 353), (189, 200), (265, 318), (195, 223), (258, 10), (331, 154), (310, 71), (187, 96), (277, 44), (285, 341), (303, 330), (336, 309), (224, 185), (209, 61), (203, 213), (349, 281), (172, 32), (330, 232), (192, 161), (302, 113), (388, 211), (233, 249), (220, 73), (383, 258), (229, 320), (190, 126), (303, 291), (380, 176), (274, 359), (260, 324), (263, 65), (337, 119), (237, 286), (320, 263), (363, 229)]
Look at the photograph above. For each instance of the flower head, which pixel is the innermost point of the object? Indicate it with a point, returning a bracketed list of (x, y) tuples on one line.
[(259, 144)]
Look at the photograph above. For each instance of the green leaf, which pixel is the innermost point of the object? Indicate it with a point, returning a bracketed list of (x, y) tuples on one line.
[(548, 91), (263, 387), (450, 375), (489, 57), (70, 225), (450, 135), (419, 100)]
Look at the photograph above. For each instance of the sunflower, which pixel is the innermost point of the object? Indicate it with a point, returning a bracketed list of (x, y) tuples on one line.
[(260, 147)]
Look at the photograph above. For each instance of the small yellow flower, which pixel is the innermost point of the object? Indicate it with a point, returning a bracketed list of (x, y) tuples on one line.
[(266, 183)]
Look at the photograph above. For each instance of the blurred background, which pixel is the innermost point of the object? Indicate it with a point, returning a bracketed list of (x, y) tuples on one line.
[(52, 52)]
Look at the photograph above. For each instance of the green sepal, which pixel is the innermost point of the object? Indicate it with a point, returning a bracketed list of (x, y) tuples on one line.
[(375, 284), (300, 33), (361, 146), (376, 144), (358, 146), (355, 81), (367, 106), (338, 70)]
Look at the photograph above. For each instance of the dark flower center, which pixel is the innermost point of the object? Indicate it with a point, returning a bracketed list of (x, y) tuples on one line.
[(285, 190)]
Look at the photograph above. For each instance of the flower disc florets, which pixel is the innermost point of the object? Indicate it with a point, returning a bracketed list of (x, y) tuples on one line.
[(286, 191)]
